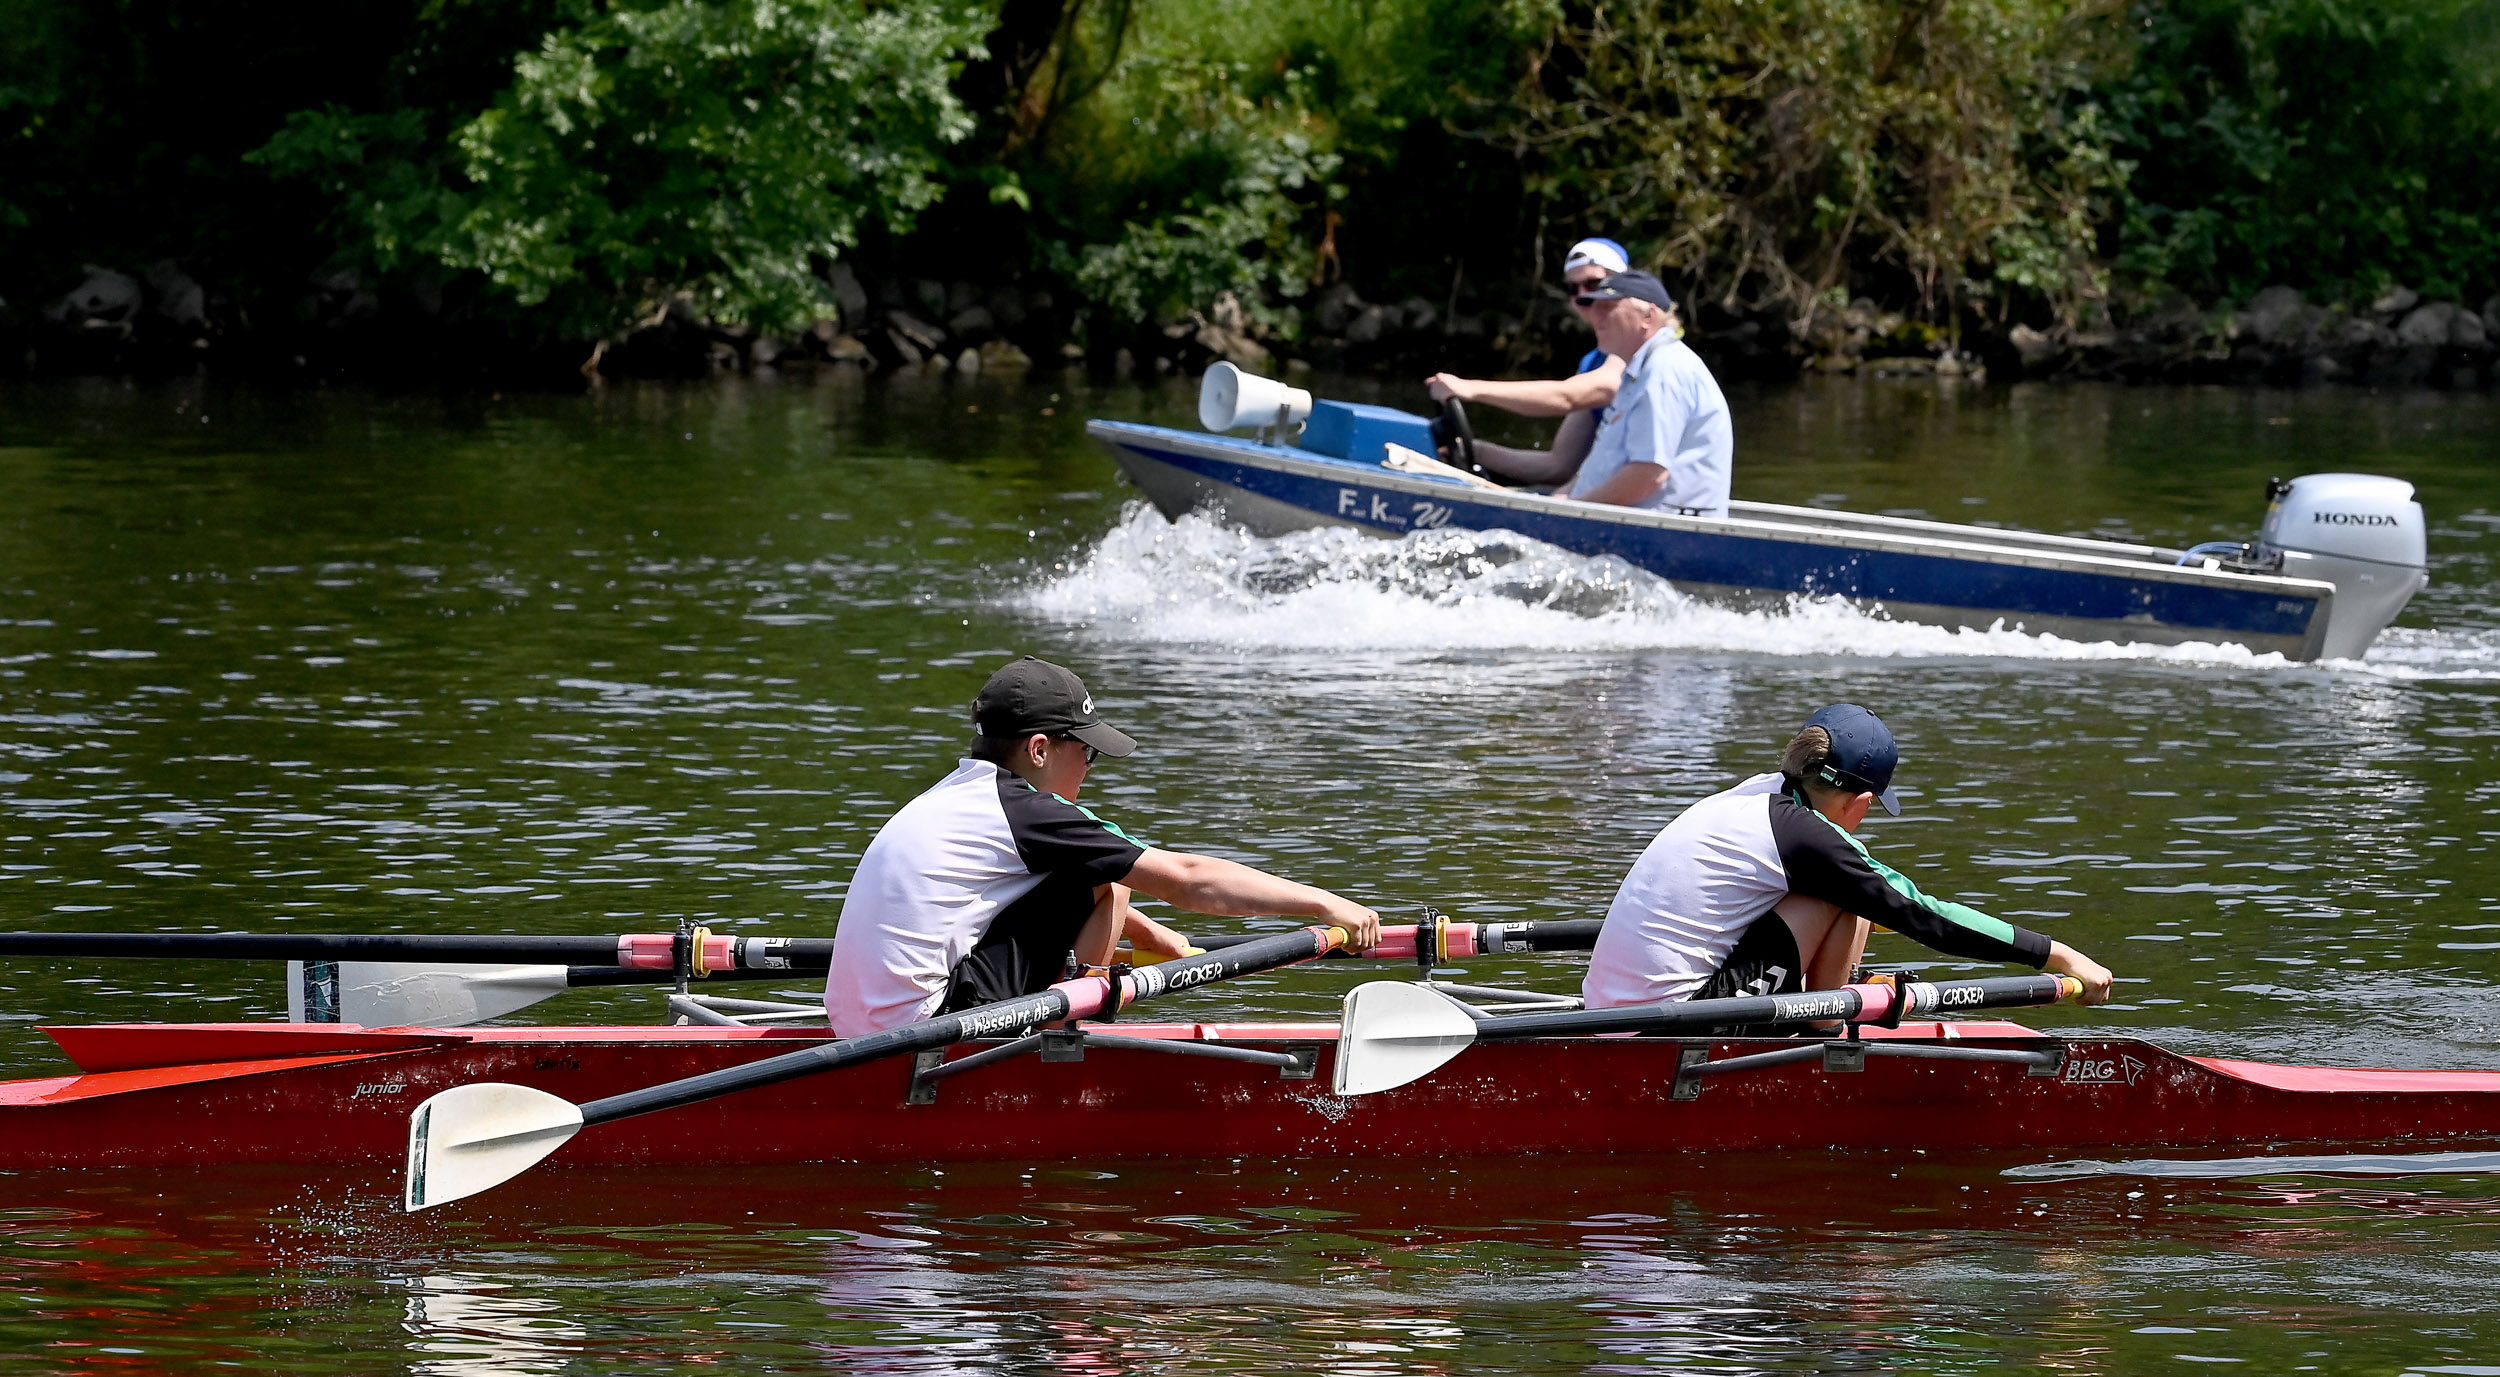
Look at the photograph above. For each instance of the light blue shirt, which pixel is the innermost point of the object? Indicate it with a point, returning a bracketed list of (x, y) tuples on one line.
[(1669, 412)]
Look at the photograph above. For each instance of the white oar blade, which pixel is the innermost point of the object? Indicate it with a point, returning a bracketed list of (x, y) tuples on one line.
[(475, 1137), (1394, 1033), (393, 994)]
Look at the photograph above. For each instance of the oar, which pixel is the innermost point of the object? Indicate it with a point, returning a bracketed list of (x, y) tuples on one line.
[(474, 1137), (702, 950), (707, 953), (1394, 1032), (384, 980), (1458, 940), (393, 994)]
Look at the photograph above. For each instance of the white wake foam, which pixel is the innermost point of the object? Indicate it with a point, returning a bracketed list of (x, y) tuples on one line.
[(1200, 582)]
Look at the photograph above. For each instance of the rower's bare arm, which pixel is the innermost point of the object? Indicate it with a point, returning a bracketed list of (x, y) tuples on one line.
[(2065, 960), (1630, 486), (1097, 942), (1534, 396), (1147, 935), (1210, 884)]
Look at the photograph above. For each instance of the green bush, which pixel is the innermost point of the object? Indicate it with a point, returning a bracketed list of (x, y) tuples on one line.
[(2337, 145), (571, 164), (1933, 152), (727, 151)]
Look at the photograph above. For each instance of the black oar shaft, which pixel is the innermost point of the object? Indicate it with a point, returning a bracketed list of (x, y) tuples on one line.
[(760, 957), (1007, 1018), (288, 946), (777, 955), (1552, 934), (1813, 1006)]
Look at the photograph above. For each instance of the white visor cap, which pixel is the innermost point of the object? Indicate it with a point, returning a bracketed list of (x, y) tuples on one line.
[(1603, 253)]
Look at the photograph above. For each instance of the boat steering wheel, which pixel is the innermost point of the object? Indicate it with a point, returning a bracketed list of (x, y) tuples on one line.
[(1452, 430)]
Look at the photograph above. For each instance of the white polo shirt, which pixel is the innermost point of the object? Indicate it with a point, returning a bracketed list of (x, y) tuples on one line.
[(981, 857), (1669, 412)]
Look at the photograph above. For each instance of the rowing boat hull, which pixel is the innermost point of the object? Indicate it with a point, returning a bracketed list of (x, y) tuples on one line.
[(342, 1095)]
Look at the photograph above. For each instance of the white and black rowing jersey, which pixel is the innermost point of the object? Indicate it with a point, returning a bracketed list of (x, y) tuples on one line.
[(973, 892), (1727, 861)]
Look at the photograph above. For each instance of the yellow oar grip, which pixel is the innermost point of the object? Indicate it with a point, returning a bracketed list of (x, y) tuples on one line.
[(2069, 988), (1156, 958)]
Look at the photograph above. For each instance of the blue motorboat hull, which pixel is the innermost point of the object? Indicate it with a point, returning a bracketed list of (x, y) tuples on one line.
[(1920, 571)]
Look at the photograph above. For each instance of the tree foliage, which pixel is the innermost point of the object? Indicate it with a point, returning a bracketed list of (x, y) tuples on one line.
[(1797, 151), (727, 151), (2332, 144), (569, 165)]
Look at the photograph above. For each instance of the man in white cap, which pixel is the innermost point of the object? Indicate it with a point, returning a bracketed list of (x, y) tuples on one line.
[(1764, 889), (983, 888), (1579, 399)]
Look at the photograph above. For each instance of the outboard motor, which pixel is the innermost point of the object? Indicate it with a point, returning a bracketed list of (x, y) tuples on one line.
[(2363, 533)]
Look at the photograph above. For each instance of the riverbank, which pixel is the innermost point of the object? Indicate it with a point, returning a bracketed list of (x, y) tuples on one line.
[(162, 321)]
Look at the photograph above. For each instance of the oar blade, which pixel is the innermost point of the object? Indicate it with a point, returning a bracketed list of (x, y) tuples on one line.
[(1394, 1033), (418, 994), (475, 1137), (392, 994)]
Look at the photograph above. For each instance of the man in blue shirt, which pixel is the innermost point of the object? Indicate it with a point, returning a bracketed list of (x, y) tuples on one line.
[(1578, 399), (1665, 442)]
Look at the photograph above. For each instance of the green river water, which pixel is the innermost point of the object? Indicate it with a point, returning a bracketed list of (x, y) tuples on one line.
[(358, 662)]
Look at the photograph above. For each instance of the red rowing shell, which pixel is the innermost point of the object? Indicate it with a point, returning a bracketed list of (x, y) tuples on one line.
[(187, 1094)]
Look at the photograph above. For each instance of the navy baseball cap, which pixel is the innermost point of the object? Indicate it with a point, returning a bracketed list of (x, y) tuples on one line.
[(1034, 695), (1632, 286), (1863, 754)]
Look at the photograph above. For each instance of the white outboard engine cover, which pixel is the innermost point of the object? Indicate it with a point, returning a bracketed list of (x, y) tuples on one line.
[(2364, 534)]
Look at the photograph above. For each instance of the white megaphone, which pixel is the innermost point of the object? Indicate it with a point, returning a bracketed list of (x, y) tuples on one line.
[(1228, 397)]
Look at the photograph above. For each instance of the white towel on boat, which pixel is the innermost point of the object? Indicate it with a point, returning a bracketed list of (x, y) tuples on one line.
[(1405, 460)]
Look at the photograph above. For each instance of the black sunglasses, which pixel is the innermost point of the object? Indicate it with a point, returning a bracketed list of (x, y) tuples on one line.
[(1092, 752), (1586, 300)]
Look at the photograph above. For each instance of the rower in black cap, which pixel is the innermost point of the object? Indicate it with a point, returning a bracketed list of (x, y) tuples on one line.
[(982, 888), (1763, 889)]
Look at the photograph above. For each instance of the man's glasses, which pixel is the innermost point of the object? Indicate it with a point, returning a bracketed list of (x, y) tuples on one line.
[(1092, 753), (1585, 299)]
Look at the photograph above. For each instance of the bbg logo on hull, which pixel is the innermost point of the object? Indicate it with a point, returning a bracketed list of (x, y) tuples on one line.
[(2101, 1070)]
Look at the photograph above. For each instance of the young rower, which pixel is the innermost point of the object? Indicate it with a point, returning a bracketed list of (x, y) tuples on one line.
[(1762, 889), (983, 888)]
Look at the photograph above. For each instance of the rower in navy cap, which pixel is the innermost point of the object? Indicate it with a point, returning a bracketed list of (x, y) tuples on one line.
[(1763, 889), (985, 886)]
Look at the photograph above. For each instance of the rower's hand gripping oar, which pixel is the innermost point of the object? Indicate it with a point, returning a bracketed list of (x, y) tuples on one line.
[(472, 1138), (1394, 1032)]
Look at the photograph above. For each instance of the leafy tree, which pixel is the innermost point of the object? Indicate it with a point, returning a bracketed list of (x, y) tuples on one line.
[(2332, 144), (1801, 151), (723, 150)]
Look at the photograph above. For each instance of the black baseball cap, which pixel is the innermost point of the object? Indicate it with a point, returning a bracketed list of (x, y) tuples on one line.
[(1863, 754), (1632, 286), (1034, 695)]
